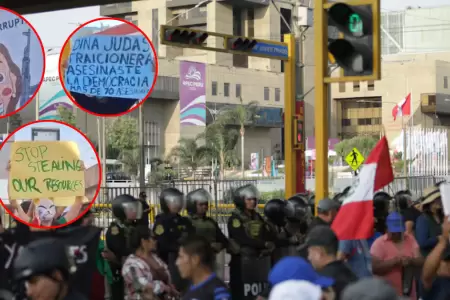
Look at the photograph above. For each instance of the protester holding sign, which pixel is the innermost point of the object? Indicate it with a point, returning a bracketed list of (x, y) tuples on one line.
[(42, 211)]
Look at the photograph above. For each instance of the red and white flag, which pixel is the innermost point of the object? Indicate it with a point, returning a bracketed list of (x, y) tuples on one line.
[(403, 108), (354, 220)]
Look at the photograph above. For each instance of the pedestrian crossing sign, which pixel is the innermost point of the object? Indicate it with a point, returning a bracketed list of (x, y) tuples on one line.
[(354, 159)]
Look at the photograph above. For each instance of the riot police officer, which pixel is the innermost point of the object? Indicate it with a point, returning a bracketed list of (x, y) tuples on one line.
[(299, 216), (126, 210), (46, 268), (169, 228), (275, 214), (253, 235), (197, 203)]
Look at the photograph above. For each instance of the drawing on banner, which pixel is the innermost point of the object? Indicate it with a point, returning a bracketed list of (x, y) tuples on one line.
[(21, 62), (45, 169), (192, 93), (111, 66)]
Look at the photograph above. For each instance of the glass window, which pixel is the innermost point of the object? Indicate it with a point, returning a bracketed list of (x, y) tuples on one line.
[(214, 88), (226, 89), (266, 94)]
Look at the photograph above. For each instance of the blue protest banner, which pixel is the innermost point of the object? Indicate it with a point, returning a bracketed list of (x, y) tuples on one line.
[(111, 66)]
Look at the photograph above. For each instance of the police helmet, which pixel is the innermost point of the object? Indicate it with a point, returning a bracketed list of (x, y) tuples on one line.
[(125, 205), (171, 197), (326, 205), (41, 257), (297, 208), (196, 197), (381, 201), (275, 211), (402, 200), (248, 191)]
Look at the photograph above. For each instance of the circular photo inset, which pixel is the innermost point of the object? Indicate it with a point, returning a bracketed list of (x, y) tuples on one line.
[(109, 71), (50, 174), (22, 62)]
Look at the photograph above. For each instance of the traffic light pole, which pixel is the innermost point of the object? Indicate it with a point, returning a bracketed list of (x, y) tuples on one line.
[(290, 155), (321, 100)]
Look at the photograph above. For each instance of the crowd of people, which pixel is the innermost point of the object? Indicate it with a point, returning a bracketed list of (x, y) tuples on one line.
[(287, 253)]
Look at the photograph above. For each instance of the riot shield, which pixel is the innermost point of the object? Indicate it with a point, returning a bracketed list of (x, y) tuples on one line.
[(253, 271), (281, 252)]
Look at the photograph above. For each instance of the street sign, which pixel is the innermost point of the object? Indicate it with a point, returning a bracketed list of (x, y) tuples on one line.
[(354, 159), (272, 50)]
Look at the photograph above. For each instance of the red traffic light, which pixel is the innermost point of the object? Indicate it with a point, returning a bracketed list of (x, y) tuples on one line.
[(185, 36), (200, 38), (240, 44)]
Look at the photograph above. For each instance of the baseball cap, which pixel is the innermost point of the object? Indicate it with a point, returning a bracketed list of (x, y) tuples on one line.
[(296, 290), (370, 289), (321, 235), (327, 204), (297, 268), (394, 223)]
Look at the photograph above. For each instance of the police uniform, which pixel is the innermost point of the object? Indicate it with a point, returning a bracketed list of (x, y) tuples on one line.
[(204, 225), (299, 217), (116, 240), (169, 228), (275, 214), (255, 239)]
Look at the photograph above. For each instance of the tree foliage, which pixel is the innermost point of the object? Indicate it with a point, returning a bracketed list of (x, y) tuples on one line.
[(67, 115), (364, 144), (131, 161), (190, 154), (122, 134), (15, 121), (241, 114)]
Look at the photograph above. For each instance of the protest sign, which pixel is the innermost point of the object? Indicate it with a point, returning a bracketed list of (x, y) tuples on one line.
[(21, 62), (45, 170), (111, 66), (82, 244)]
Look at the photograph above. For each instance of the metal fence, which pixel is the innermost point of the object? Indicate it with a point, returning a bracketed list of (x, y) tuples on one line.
[(222, 207)]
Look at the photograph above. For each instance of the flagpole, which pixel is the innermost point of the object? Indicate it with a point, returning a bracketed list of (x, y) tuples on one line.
[(405, 168)]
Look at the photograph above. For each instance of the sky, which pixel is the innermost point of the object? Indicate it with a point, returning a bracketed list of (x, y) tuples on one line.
[(66, 134)]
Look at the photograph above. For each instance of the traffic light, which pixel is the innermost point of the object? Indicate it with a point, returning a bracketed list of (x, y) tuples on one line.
[(298, 133), (357, 50), (240, 44), (185, 36)]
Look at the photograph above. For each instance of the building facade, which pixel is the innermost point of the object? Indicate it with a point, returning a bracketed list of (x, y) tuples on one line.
[(228, 77), (365, 108)]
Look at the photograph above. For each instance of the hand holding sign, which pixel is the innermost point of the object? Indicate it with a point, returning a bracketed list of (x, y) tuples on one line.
[(111, 66), (45, 169)]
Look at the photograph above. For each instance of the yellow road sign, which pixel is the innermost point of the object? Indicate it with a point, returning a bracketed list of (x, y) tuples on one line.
[(354, 159)]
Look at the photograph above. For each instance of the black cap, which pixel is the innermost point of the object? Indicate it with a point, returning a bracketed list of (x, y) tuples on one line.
[(321, 235), (326, 205)]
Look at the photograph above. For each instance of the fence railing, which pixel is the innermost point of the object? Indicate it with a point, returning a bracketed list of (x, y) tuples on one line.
[(221, 208)]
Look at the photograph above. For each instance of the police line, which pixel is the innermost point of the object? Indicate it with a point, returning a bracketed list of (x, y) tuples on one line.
[(82, 243)]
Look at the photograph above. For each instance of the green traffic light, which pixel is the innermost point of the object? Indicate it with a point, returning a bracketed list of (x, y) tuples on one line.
[(355, 25)]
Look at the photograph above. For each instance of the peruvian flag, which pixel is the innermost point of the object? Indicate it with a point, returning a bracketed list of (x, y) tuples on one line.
[(403, 108), (354, 220)]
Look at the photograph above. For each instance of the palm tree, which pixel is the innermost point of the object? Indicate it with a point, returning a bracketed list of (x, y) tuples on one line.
[(221, 141), (189, 153), (131, 161), (241, 115)]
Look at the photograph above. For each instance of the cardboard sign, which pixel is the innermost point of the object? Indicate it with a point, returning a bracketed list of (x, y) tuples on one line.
[(111, 66), (44, 170)]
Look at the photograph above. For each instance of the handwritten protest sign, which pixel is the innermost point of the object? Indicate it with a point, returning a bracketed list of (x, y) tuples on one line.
[(111, 66), (45, 169)]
